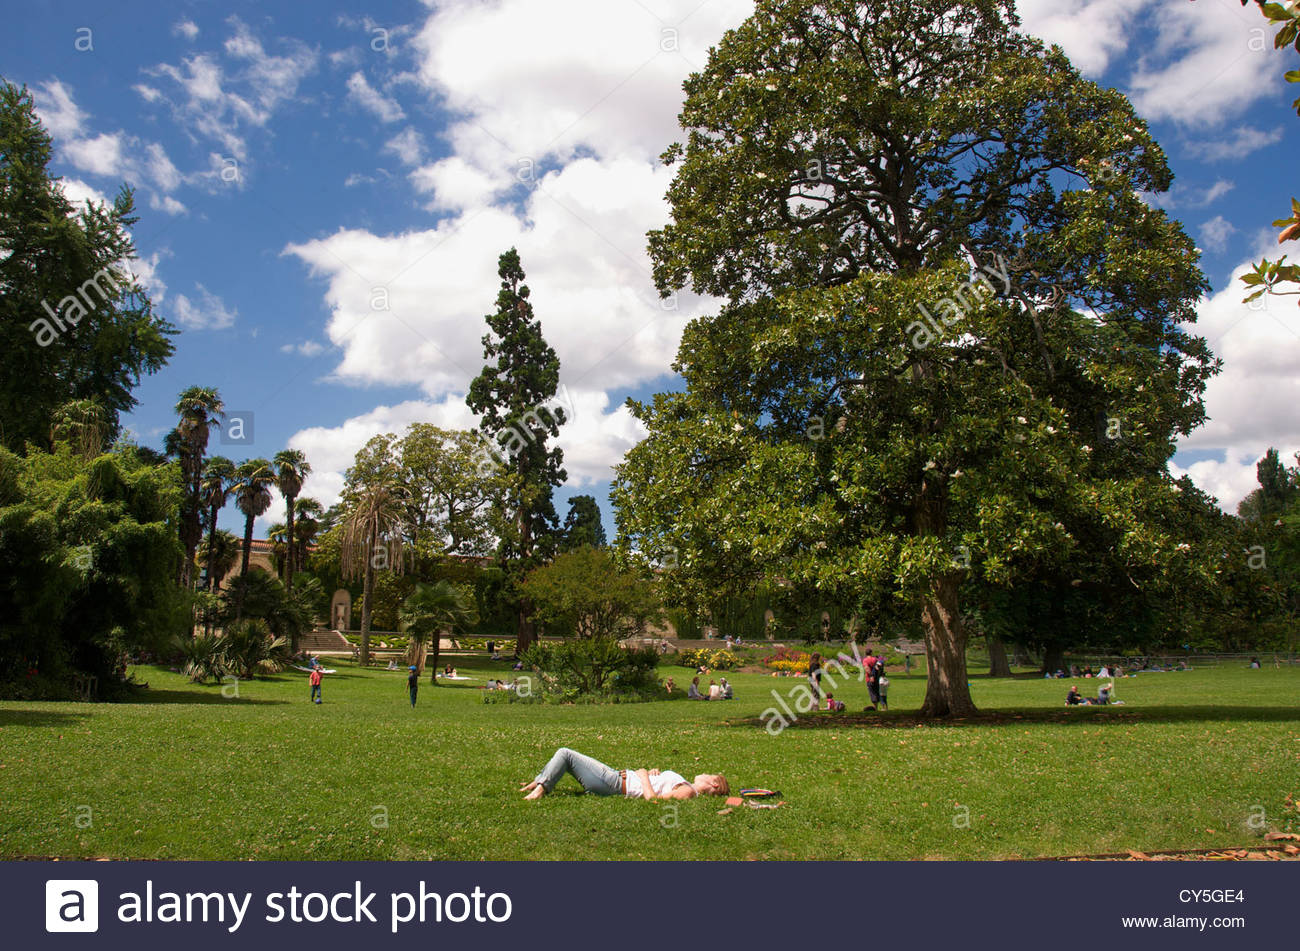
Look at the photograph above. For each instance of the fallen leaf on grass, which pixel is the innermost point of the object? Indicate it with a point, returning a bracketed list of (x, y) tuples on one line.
[(1278, 836), (723, 812)]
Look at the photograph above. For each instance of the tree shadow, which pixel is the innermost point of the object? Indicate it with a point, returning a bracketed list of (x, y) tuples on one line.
[(1065, 716), (163, 695), (39, 718)]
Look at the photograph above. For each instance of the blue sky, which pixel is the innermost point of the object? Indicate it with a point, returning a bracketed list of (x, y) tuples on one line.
[(323, 191)]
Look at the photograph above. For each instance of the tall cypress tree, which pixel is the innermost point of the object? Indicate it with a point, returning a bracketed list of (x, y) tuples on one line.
[(514, 396)]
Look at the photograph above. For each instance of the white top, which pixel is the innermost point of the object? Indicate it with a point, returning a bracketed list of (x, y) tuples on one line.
[(662, 784)]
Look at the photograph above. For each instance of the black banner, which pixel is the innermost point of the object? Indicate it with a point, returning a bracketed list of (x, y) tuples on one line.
[(634, 905)]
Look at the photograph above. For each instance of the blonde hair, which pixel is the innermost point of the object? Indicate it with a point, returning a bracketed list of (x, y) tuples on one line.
[(721, 785)]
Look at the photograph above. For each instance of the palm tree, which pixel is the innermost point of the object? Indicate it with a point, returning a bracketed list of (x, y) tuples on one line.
[(278, 536), (220, 552), (216, 486), (306, 528), (253, 498), (291, 469), (83, 425), (372, 538), (431, 608), (199, 408)]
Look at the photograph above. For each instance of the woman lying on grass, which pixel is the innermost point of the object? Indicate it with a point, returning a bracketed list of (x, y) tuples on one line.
[(601, 780)]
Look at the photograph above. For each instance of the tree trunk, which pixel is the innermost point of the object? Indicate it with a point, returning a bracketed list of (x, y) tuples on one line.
[(999, 666), (1053, 658), (947, 691), (288, 555), (367, 596), (525, 630), (248, 545), (212, 549)]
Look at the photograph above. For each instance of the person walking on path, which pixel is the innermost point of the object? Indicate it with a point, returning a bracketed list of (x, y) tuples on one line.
[(314, 678), (413, 683)]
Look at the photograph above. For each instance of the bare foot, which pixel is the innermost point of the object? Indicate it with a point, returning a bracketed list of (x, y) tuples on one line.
[(538, 792)]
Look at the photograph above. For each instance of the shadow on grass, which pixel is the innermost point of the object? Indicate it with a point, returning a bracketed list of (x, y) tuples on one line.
[(1065, 716), (199, 696), (47, 718)]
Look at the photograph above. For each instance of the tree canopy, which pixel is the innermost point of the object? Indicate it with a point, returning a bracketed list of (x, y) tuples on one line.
[(74, 322), (954, 347)]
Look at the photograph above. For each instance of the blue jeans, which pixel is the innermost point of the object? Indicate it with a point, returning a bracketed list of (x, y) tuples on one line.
[(414, 692), (594, 775), (315, 691)]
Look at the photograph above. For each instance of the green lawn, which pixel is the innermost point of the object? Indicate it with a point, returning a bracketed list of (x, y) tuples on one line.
[(1191, 760)]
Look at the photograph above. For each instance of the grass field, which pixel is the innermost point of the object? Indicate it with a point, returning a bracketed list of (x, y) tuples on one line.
[(1205, 758)]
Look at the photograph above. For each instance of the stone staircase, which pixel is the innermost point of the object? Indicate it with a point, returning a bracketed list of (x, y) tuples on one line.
[(324, 641)]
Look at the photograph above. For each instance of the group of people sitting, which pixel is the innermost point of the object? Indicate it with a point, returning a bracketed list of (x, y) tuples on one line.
[(717, 691), (1105, 695), (1106, 671)]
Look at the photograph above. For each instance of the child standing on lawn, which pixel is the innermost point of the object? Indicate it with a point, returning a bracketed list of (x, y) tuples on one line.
[(314, 678)]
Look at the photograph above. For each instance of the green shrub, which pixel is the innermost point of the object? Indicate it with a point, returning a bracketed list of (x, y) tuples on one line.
[(201, 657), (592, 669)]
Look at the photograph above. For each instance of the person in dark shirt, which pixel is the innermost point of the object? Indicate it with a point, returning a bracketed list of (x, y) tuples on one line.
[(413, 683)]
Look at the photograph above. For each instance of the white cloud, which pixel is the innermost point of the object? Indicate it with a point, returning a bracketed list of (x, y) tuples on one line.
[(358, 178), (186, 28), (407, 146), (101, 155), (62, 117), (581, 237), (1215, 192), (1215, 233), (1092, 32), (216, 104), (372, 100), (1240, 143), (1204, 68), (1205, 63), (109, 154), (536, 80), (456, 185), (207, 312), (167, 204), (146, 272), (79, 193), (1251, 404), (308, 348)]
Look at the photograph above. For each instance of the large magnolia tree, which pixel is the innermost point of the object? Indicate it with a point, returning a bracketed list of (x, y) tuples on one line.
[(953, 341)]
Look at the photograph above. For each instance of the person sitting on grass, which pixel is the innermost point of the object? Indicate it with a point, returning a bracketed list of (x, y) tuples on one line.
[(726, 689), (715, 692), (693, 692), (601, 780), (1072, 698), (1104, 693), (669, 685)]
